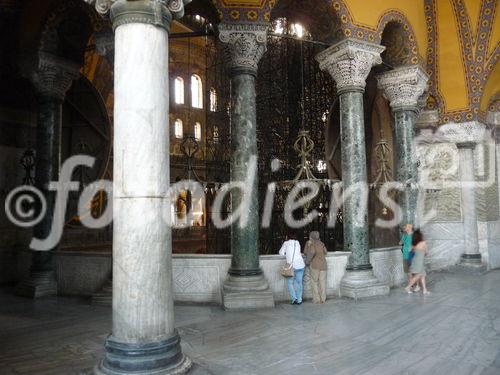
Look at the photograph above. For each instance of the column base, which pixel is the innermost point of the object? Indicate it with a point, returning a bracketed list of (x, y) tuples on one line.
[(361, 284), (104, 297), (154, 358), (38, 284), (472, 261), (246, 292)]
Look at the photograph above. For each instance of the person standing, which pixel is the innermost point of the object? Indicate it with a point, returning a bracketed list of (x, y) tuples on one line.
[(291, 250), (315, 252), (417, 266), (406, 243)]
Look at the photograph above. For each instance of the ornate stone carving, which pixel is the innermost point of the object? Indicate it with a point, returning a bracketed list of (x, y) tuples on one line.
[(175, 7), (244, 44), (428, 119), (349, 62), (403, 86), (53, 76), (464, 132)]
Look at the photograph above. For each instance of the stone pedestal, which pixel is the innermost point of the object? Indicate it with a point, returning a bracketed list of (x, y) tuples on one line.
[(349, 62), (246, 286), (51, 79), (143, 338), (403, 87)]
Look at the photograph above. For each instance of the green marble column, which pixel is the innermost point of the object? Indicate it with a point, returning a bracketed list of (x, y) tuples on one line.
[(349, 62), (406, 166), (244, 240), (403, 87), (243, 45), (51, 80), (352, 131)]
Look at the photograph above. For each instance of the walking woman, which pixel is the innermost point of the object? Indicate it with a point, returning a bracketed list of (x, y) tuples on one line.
[(417, 266), (315, 252), (291, 249)]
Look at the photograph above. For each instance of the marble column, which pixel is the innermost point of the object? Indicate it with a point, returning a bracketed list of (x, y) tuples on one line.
[(471, 255), (243, 45), (349, 62), (403, 87), (51, 80), (143, 338)]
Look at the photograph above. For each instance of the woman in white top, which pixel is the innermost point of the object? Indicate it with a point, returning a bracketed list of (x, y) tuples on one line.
[(291, 249)]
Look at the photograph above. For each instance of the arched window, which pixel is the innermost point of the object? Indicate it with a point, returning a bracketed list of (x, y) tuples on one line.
[(179, 90), (178, 128), (196, 91), (213, 100), (197, 131)]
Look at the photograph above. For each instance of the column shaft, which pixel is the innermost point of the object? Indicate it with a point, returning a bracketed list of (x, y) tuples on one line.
[(469, 212), (354, 180), (143, 338), (406, 168), (244, 240)]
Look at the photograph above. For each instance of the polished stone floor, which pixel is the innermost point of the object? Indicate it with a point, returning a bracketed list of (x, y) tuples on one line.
[(455, 330)]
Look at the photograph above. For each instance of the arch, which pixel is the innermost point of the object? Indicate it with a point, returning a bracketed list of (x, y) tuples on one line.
[(395, 32), (67, 29), (320, 18), (196, 91), (179, 90)]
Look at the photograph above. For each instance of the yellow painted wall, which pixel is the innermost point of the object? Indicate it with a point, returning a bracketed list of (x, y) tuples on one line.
[(496, 31), (473, 7), (452, 79), (368, 13)]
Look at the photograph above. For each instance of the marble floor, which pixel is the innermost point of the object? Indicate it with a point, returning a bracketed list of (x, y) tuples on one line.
[(455, 330)]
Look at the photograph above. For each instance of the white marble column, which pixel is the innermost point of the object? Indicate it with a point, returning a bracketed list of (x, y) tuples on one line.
[(471, 254), (349, 62), (143, 338), (403, 87)]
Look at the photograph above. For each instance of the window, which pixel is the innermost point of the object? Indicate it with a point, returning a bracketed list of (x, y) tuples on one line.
[(216, 134), (196, 92), (178, 129), (213, 100), (179, 90), (197, 131)]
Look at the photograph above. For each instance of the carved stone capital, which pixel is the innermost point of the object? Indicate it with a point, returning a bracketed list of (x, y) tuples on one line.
[(243, 44), (493, 118), (105, 45), (53, 76), (403, 86), (463, 133), (154, 12), (349, 62)]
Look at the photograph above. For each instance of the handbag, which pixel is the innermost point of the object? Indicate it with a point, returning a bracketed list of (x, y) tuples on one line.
[(287, 268)]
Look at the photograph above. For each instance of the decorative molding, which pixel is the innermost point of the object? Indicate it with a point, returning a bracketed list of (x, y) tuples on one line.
[(428, 119), (53, 76), (403, 86), (464, 132), (349, 62), (145, 11), (244, 45)]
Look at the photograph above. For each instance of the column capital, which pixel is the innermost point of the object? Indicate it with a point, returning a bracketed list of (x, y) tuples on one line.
[(154, 12), (243, 44), (349, 62), (464, 132), (466, 145), (53, 76), (403, 86)]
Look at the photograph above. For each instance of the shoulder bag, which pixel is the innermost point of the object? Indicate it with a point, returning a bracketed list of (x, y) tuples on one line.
[(287, 268)]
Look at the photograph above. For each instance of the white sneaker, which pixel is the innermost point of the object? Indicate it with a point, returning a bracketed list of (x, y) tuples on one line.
[(417, 288)]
